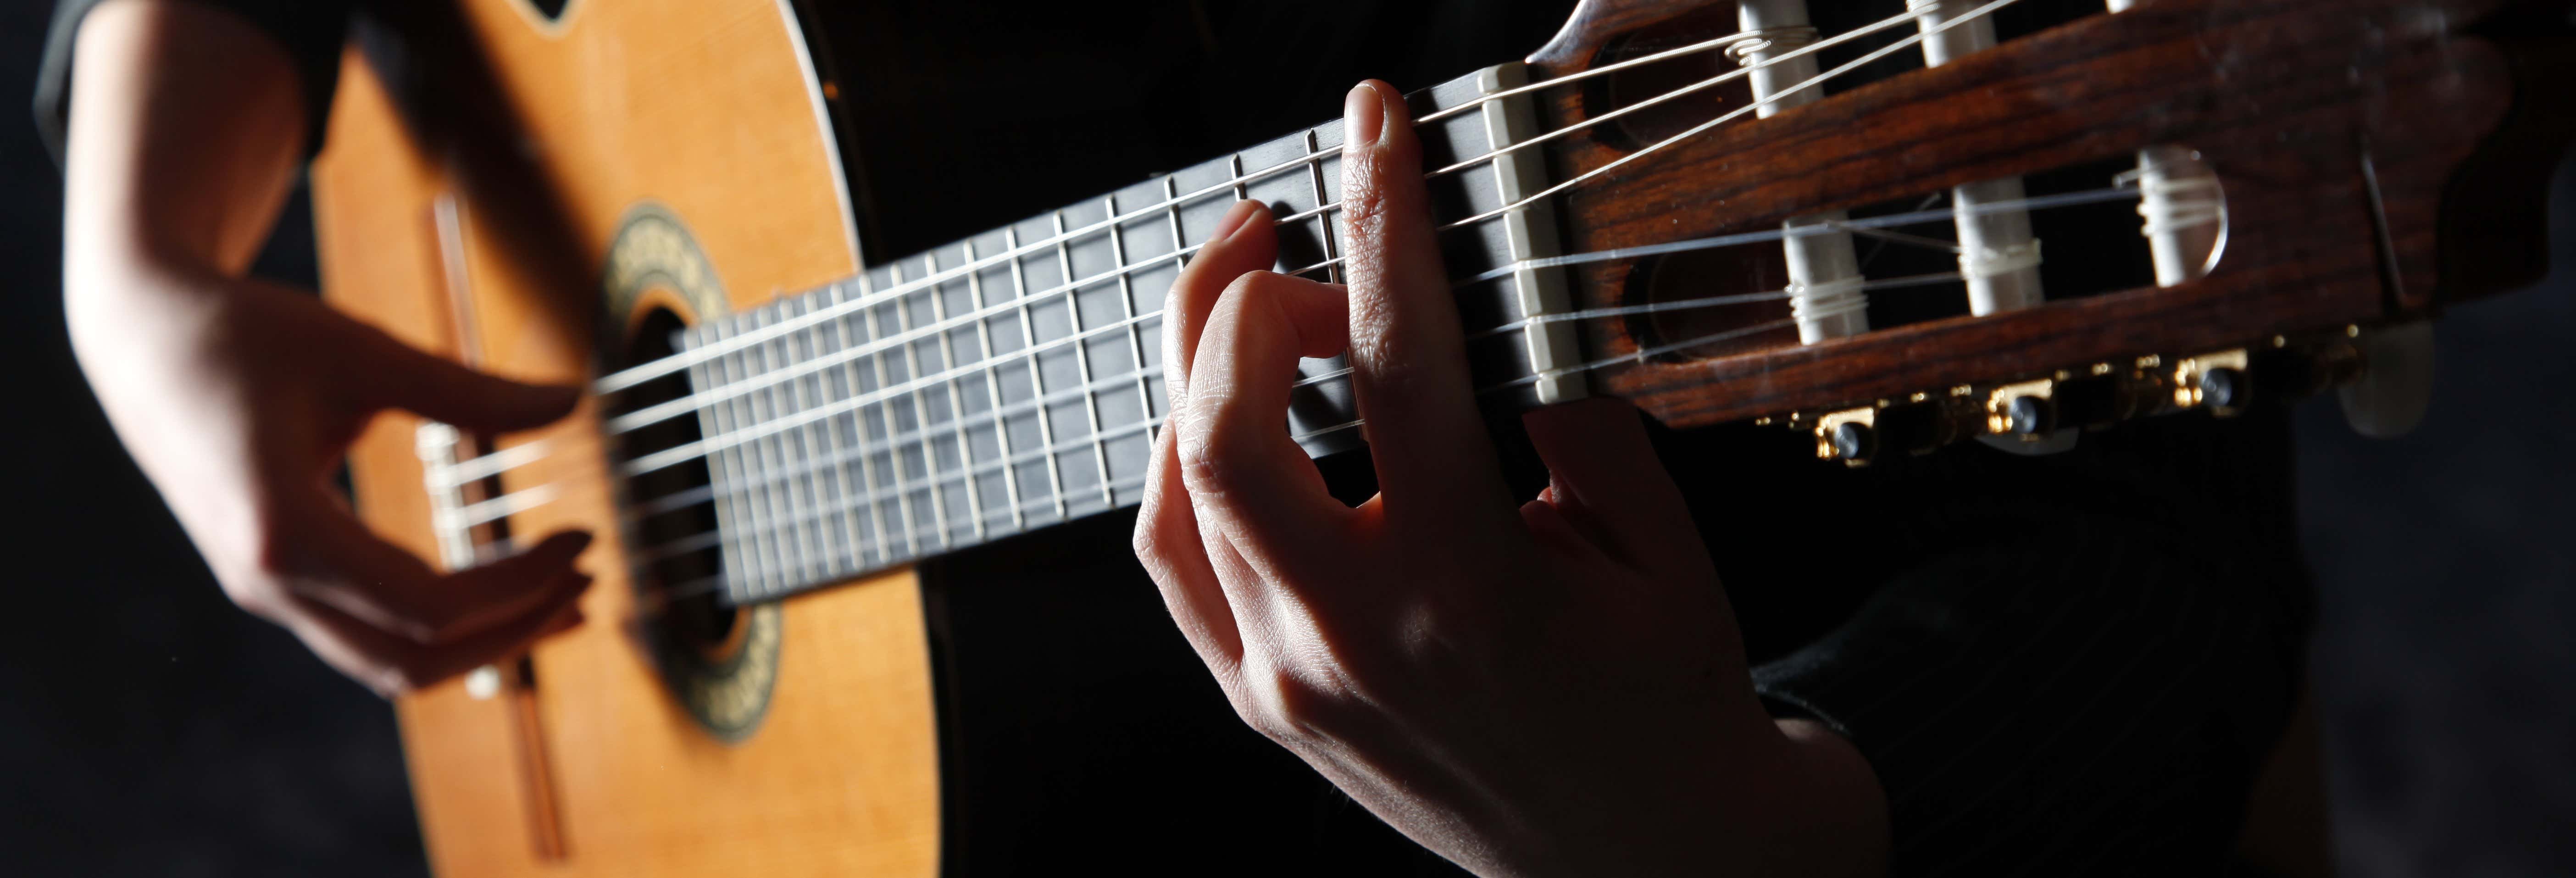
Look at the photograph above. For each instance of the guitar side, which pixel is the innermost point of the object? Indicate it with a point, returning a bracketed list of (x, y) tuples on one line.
[(706, 112)]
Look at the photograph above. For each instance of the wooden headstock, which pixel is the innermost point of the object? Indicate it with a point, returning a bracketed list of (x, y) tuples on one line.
[(2378, 159)]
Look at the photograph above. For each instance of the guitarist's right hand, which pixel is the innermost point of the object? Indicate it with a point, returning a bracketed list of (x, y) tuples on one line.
[(238, 397)]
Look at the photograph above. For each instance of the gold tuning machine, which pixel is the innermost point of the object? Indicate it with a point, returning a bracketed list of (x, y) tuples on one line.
[(2092, 396)]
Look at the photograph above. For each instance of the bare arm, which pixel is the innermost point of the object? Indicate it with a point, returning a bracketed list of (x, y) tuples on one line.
[(237, 396)]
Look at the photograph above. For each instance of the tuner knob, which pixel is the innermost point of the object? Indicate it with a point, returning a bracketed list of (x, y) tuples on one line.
[(2225, 388), (2396, 382), (1854, 441), (2029, 416)]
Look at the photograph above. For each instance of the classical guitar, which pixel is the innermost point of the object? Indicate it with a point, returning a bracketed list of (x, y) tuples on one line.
[(1671, 202)]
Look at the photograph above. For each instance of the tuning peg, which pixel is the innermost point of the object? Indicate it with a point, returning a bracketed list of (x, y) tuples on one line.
[(2396, 383), (1854, 441), (2029, 416)]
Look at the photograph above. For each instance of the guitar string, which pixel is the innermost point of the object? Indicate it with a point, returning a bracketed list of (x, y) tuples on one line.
[(492, 464), (1022, 356), (689, 404), (941, 480), (894, 442), (519, 454), (647, 371), (938, 480), (1802, 85)]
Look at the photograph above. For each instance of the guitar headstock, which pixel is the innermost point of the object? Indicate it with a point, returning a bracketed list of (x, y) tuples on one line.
[(2374, 160)]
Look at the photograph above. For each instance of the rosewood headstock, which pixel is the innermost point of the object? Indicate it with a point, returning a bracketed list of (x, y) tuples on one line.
[(2378, 159)]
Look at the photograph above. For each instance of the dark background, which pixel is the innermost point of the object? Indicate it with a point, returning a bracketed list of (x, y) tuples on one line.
[(148, 728)]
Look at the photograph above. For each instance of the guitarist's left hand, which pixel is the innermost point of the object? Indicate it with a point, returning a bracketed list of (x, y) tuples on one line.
[(1550, 687)]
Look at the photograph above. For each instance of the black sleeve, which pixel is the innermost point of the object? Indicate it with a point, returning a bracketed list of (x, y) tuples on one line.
[(2077, 694), (311, 32)]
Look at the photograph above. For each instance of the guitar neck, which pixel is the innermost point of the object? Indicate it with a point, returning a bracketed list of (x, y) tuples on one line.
[(1014, 380)]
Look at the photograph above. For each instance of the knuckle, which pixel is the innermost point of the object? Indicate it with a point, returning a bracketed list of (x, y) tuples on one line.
[(1143, 542), (1157, 554), (1253, 283), (1291, 707), (1216, 451), (1223, 472)]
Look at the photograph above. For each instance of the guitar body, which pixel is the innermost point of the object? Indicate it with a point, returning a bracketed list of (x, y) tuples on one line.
[(551, 197), (706, 113)]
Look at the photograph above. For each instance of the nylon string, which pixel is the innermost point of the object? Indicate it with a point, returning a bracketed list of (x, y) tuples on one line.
[(488, 465)]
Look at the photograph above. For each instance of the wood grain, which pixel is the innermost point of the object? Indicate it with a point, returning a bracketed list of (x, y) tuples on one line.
[(702, 107), (2284, 98), (548, 134)]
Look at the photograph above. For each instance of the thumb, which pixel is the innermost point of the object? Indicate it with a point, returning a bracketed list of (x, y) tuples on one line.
[(1605, 479), (397, 375)]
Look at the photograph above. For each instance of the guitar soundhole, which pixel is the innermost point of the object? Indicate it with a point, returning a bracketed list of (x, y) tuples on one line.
[(668, 529), (550, 10)]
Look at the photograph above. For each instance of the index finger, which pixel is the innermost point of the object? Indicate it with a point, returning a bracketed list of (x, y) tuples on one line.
[(1408, 356)]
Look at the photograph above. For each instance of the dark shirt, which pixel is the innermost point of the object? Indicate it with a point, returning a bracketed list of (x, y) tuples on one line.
[(310, 32), (2056, 665)]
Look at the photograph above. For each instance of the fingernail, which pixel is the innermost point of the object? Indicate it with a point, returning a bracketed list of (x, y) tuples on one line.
[(1363, 113), (1234, 219)]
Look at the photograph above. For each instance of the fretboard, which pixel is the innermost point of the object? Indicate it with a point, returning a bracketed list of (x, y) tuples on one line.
[(1013, 380)]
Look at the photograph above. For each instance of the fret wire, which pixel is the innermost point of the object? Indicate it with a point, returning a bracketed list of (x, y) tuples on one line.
[(702, 586), (1146, 426), (1037, 377), (847, 382), (859, 423), (782, 499), (1172, 215), (636, 419), (956, 401), (797, 445), (737, 367), (2097, 196), (921, 413), (1235, 161), (993, 389), (1323, 221), (894, 453), (1006, 410), (647, 371), (731, 528), (1082, 361), (670, 456), (1135, 337), (834, 534), (823, 440)]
